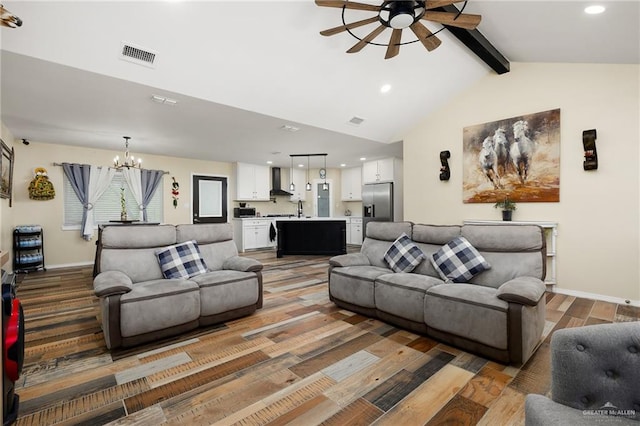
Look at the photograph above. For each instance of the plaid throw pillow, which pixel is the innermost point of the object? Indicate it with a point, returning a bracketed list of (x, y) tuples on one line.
[(403, 255), (181, 260), (458, 261)]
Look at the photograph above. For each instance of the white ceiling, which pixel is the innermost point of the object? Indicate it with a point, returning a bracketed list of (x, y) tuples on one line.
[(240, 70)]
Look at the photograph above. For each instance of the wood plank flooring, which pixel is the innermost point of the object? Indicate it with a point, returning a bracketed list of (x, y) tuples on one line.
[(298, 361)]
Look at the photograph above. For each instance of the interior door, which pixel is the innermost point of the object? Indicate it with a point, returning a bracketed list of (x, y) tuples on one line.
[(209, 199)]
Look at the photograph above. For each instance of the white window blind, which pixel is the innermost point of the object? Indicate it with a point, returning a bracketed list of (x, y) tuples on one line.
[(108, 206)]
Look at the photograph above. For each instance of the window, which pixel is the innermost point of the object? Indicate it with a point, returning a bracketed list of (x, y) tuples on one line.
[(108, 206)]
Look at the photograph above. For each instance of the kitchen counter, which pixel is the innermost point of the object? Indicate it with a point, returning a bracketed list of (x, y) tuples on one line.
[(314, 235)]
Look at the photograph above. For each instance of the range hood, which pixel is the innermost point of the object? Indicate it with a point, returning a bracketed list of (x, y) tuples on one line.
[(276, 183)]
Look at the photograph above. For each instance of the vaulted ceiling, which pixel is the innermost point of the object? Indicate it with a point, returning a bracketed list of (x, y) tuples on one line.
[(240, 70)]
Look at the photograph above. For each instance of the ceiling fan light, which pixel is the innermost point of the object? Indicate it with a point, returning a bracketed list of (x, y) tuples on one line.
[(401, 21)]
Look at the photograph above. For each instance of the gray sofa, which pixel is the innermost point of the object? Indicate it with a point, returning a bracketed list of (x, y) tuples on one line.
[(139, 305), (595, 377), (499, 314)]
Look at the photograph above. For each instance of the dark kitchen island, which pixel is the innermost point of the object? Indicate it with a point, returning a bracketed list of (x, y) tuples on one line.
[(311, 236)]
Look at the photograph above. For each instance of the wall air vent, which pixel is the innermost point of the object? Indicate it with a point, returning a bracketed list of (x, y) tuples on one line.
[(137, 55), (356, 121)]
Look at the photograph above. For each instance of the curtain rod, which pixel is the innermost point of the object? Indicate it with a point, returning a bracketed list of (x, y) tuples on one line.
[(163, 171)]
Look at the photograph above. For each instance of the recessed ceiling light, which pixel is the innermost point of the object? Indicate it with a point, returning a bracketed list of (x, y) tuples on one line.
[(343, 165), (385, 88), (269, 162), (363, 158), (594, 10), (289, 128), (300, 165)]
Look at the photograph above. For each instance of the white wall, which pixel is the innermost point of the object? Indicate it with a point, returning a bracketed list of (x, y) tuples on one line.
[(598, 213)]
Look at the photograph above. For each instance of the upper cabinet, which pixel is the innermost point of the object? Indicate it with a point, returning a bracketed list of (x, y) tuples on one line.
[(351, 180), (252, 182), (299, 179), (379, 171)]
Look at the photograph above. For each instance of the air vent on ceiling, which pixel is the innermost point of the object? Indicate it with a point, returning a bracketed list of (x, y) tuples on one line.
[(137, 55), (356, 121)]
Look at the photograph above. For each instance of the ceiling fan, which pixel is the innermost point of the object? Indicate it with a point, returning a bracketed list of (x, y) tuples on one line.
[(399, 15)]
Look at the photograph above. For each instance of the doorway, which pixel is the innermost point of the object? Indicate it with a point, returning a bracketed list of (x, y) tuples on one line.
[(324, 201), (209, 195)]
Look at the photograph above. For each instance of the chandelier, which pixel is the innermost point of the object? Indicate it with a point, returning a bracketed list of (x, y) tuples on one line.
[(129, 161)]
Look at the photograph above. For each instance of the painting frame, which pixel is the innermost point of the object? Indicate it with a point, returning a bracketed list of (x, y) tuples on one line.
[(6, 171), (516, 158)]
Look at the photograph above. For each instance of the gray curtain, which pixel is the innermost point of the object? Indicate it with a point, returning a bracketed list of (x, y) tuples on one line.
[(150, 179), (78, 175)]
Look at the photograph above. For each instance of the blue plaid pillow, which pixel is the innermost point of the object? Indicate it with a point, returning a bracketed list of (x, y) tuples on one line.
[(458, 261), (403, 255), (181, 260)]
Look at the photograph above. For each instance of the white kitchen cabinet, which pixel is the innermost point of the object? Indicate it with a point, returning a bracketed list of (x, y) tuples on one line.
[(252, 182), (355, 231), (351, 181), (252, 234), (300, 181), (379, 171)]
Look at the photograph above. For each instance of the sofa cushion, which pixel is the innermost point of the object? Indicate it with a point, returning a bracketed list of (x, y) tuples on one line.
[(458, 261), (355, 284), (158, 304), (402, 295), (222, 291), (470, 311), (403, 255), (181, 260)]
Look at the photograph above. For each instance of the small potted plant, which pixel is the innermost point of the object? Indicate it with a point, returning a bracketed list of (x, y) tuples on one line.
[(508, 206)]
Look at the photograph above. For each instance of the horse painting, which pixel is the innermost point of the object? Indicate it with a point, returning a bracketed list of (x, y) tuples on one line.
[(517, 157)]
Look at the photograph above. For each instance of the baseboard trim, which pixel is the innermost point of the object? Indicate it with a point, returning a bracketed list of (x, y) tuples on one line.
[(595, 296), (69, 265)]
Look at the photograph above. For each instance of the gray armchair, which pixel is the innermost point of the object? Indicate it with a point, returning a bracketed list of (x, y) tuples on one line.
[(595, 377)]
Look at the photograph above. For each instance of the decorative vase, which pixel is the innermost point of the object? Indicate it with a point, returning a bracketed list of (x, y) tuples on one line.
[(506, 215)]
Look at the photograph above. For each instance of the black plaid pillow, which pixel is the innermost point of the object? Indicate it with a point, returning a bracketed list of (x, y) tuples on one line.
[(403, 255), (458, 261), (181, 260)]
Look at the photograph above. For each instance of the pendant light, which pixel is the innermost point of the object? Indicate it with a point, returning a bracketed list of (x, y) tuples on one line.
[(292, 186), (308, 187), (325, 186)]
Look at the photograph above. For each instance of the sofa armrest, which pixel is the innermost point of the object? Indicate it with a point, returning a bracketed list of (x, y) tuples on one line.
[(522, 290), (243, 264), (350, 259), (108, 283)]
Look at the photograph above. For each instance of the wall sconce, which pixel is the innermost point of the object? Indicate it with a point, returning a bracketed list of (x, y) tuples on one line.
[(445, 172), (590, 153)]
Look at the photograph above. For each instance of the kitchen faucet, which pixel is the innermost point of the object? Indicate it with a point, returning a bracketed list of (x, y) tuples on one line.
[(299, 208)]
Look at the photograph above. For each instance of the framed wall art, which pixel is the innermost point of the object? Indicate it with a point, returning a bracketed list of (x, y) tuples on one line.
[(517, 157), (6, 171)]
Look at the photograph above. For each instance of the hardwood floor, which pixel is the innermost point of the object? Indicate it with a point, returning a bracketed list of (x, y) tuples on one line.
[(300, 360)]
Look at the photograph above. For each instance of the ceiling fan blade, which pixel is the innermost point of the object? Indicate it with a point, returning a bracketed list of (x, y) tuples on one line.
[(348, 5), (433, 4), (341, 28), (362, 43), (463, 20), (425, 36), (394, 44)]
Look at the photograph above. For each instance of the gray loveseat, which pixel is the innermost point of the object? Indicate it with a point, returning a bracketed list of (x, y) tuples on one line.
[(499, 314), (139, 305), (595, 378)]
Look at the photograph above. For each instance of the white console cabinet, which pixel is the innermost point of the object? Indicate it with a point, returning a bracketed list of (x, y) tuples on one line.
[(250, 234), (355, 231)]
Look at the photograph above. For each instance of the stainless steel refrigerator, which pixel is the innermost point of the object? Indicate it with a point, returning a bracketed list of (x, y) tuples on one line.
[(377, 203)]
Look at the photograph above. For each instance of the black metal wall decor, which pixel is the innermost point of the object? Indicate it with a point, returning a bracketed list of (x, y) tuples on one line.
[(445, 172), (590, 153)]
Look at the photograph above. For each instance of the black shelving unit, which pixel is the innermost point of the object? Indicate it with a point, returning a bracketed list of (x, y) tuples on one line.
[(28, 248)]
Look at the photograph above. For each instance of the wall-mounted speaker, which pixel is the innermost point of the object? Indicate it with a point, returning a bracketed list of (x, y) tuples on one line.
[(590, 152)]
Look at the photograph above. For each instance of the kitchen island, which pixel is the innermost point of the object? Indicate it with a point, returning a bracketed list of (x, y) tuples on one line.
[(314, 235)]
